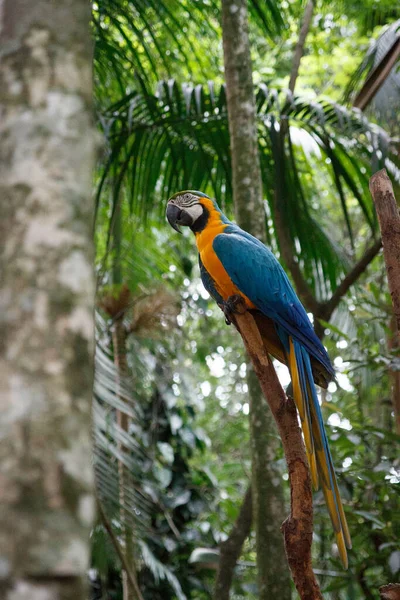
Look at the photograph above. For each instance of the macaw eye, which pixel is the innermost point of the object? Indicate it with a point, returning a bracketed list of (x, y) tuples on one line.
[(187, 196)]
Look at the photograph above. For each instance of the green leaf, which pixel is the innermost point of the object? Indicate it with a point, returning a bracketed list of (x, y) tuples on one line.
[(370, 517)]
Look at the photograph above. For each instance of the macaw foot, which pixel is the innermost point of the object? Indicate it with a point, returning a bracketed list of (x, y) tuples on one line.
[(234, 304)]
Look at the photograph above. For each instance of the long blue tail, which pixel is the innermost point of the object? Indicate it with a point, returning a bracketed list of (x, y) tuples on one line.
[(316, 442)]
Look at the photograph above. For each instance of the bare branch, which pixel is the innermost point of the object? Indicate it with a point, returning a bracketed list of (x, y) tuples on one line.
[(231, 549), (393, 346), (389, 222)]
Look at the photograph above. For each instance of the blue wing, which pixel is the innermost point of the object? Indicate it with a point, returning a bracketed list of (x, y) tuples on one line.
[(257, 273)]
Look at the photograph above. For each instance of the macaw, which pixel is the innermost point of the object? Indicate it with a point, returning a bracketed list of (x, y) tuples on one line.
[(233, 262)]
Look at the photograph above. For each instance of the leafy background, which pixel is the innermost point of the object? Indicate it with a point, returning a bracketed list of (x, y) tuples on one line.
[(184, 455)]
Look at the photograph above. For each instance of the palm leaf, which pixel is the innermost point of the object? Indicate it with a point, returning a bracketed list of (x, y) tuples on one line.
[(160, 571), (108, 438), (178, 139), (135, 38)]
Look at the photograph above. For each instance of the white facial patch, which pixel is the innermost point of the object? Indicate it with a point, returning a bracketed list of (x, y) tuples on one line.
[(194, 211)]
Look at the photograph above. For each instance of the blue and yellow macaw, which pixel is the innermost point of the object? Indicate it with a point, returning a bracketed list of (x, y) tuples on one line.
[(233, 262)]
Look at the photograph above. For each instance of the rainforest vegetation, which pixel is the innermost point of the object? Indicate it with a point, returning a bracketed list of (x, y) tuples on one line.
[(170, 424)]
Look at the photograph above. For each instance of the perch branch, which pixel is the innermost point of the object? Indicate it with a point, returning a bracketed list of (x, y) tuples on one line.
[(389, 222), (298, 527), (231, 549)]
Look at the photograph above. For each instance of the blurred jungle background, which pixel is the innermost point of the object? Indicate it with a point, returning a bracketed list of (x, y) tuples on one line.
[(171, 401)]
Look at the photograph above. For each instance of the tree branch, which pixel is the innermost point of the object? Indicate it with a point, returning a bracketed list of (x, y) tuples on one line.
[(299, 50), (393, 347), (298, 527), (351, 278), (389, 222), (231, 549)]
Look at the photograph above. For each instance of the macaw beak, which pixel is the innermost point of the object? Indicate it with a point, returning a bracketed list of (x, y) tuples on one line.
[(176, 216)]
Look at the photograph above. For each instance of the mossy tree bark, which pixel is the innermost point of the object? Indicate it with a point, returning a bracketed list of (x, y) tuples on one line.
[(47, 298), (268, 504)]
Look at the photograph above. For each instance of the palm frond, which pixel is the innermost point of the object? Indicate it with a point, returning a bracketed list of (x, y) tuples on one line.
[(160, 571), (373, 14), (109, 437), (134, 39), (178, 139)]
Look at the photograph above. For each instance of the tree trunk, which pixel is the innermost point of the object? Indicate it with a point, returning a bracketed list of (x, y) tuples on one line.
[(268, 507), (46, 298)]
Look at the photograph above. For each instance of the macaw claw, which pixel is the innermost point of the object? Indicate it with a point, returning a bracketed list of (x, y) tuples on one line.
[(234, 304)]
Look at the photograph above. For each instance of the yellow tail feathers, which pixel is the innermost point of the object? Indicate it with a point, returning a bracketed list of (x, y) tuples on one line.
[(318, 455), (300, 402)]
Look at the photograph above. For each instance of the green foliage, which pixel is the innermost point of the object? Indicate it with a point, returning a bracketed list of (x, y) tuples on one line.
[(178, 139), (189, 457), (162, 495)]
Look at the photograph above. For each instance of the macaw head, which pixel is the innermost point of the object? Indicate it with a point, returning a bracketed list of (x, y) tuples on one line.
[(189, 208)]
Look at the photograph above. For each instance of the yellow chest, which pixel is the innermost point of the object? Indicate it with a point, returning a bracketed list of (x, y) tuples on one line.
[(213, 265)]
